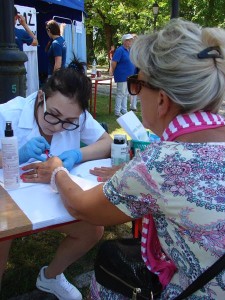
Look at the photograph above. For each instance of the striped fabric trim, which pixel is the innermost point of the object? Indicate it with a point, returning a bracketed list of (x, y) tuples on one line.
[(145, 226), (193, 122), (151, 251)]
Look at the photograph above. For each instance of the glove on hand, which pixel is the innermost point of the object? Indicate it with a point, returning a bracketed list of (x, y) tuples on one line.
[(33, 149), (70, 158)]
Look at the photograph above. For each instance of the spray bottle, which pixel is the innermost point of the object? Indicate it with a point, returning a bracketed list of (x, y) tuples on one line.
[(10, 159)]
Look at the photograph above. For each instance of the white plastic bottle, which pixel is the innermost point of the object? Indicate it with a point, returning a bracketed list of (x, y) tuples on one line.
[(93, 70), (10, 159), (119, 150)]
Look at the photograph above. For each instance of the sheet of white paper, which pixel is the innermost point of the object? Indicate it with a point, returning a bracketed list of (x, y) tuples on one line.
[(43, 206), (132, 125), (82, 170)]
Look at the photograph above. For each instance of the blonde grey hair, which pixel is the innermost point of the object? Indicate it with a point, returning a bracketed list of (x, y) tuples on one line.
[(169, 61)]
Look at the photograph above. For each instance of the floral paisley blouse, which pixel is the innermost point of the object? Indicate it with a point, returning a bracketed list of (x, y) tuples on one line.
[(183, 186)]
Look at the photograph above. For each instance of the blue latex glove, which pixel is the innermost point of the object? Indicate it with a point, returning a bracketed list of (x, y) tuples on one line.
[(70, 158), (33, 149)]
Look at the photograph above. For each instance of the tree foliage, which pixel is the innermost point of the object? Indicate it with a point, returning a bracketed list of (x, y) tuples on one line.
[(107, 21)]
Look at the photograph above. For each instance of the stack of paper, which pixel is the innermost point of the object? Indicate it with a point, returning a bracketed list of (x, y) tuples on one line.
[(132, 125)]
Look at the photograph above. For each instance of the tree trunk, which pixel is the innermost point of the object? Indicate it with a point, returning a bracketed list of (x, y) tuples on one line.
[(90, 48)]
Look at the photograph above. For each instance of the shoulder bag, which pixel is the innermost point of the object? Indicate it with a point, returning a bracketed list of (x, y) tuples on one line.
[(120, 268)]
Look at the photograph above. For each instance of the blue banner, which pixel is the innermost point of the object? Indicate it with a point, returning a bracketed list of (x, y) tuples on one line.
[(75, 4)]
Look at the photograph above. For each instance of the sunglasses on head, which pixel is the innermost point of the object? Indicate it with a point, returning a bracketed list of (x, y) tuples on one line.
[(134, 85)]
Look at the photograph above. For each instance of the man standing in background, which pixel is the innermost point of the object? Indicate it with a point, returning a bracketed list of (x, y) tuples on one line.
[(23, 36), (121, 67)]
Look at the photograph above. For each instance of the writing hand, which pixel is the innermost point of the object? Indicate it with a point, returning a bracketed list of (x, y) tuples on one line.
[(70, 158), (33, 149)]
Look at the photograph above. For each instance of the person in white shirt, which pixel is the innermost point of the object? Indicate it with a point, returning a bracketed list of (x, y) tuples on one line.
[(56, 119)]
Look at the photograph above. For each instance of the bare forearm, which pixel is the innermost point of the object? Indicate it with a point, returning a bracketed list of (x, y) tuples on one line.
[(58, 63), (112, 67), (98, 150), (31, 34), (22, 21), (26, 27), (68, 191), (91, 206)]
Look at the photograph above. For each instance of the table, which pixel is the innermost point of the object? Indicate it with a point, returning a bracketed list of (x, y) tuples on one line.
[(36, 207), (103, 80)]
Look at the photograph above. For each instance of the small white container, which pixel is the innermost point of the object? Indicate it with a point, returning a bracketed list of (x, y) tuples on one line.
[(94, 69), (119, 150), (10, 159)]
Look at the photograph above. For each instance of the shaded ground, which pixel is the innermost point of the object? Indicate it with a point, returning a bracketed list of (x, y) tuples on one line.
[(25, 265)]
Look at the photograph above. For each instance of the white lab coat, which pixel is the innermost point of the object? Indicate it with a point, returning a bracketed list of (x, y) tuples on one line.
[(20, 111)]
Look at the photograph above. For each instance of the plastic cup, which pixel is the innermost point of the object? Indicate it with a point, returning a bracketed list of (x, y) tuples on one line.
[(99, 73)]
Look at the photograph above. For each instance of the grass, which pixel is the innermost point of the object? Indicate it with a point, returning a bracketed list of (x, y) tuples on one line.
[(103, 115), (30, 253)]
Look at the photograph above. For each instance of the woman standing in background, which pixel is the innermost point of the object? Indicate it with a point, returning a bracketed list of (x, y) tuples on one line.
[(56, 49), (110, 55)]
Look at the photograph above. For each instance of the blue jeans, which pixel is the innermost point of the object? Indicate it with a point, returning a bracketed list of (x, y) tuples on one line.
[(121, 98)]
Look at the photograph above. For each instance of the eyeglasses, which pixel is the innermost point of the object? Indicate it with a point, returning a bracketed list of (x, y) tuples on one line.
[(134, 85), (52, 119)]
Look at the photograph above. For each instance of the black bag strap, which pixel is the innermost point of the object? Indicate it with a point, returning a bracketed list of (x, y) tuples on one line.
[(204, 278)]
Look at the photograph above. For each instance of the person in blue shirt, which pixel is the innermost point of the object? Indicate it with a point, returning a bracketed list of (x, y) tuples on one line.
[(121, 67), (23, 36), (56, 49)]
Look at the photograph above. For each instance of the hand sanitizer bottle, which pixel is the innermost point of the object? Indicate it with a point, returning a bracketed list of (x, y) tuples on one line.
[(10, 159)]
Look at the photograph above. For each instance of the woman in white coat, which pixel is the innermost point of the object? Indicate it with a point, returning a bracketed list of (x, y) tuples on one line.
[(56, 119)]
